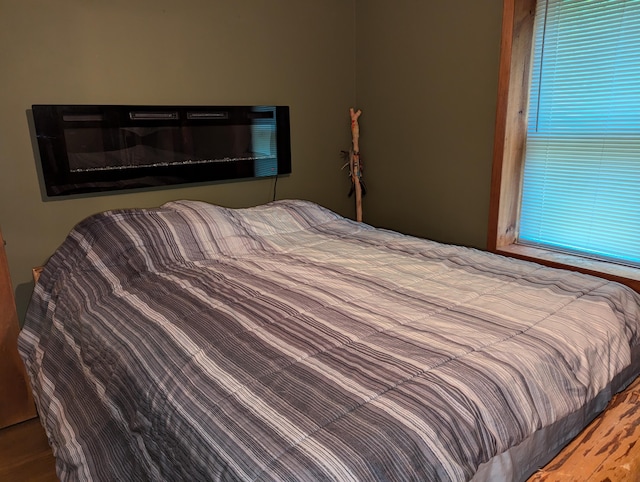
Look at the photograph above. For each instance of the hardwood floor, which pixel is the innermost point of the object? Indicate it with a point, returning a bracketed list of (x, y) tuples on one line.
[(25, 455), (607, 451)]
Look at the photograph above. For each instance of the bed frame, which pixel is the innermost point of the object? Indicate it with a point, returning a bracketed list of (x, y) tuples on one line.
[(16, 400)]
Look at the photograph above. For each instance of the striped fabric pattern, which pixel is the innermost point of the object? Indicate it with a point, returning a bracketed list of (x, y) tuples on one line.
[(284, 342)]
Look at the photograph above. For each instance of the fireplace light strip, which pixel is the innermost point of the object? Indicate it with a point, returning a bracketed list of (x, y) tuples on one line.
[(208, 115), (139, 115)]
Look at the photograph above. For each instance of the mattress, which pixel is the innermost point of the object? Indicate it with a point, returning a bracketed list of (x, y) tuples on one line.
[(285, 342)]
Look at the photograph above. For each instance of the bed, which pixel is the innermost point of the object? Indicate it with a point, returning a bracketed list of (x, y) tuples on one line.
[(285, 342)]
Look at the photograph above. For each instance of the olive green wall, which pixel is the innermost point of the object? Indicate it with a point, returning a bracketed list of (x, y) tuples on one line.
[(289, 52), (423, 72), (427, 74)]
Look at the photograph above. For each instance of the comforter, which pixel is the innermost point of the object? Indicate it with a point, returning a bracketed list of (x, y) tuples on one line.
[(284, 342)]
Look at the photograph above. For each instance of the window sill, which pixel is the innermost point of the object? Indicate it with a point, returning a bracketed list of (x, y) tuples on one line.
[(615, 272)]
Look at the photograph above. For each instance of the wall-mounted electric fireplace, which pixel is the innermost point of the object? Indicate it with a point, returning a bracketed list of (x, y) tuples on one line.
[(92, 148)]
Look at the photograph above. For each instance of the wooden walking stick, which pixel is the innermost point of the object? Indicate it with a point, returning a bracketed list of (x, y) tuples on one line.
[(354, 162)]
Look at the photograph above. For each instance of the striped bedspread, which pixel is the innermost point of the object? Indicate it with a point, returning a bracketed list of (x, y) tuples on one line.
[(192, 342)]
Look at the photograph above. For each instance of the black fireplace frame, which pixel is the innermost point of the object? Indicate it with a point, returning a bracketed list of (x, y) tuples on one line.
[(96, 148)]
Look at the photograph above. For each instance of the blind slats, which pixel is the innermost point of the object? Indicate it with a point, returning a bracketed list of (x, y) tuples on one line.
[(581, 188)]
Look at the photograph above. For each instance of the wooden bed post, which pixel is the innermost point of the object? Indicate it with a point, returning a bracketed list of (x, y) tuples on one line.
[(16, 400)]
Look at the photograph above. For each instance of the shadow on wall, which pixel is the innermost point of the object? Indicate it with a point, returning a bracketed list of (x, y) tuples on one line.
[(23, 295)]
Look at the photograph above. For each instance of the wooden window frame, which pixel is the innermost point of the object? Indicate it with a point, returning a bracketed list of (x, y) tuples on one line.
[(518, 17)]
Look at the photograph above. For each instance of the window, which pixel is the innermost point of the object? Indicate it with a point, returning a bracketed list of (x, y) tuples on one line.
[(566, 180)]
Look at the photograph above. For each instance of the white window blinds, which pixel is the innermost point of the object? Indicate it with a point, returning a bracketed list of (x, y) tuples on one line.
[(581, 188)]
